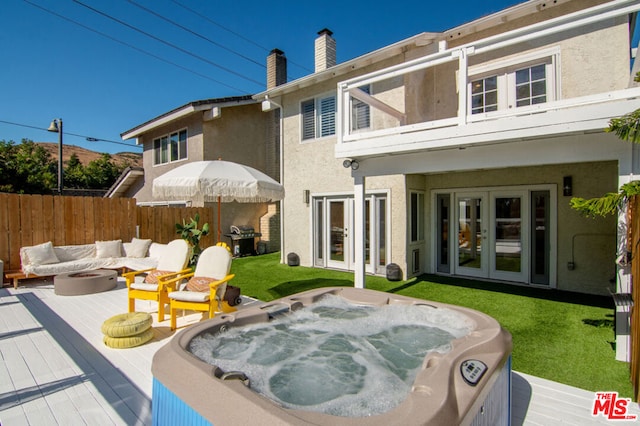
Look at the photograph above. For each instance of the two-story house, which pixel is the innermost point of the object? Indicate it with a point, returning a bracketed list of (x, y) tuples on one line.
[(457, 153), (232, 129)]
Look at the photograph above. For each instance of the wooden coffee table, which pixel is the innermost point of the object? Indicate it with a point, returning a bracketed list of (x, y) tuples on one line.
[(84, 282)]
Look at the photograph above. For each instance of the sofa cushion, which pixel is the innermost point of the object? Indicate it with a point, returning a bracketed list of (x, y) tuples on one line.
[(75, 252), (41, 254), (136, 248), (109, 248)]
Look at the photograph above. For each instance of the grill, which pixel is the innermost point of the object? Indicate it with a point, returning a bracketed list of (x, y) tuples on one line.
[(243, 240)]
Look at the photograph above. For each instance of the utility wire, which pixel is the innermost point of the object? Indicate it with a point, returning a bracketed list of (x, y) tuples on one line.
[(203, 16), (87, 138), (190, 31), (168, 44), (134, 47)]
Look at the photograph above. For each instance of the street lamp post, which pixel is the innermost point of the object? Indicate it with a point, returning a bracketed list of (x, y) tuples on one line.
[(56, 126)]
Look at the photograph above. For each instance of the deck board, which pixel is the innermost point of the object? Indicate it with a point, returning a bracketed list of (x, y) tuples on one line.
[(56, 370)]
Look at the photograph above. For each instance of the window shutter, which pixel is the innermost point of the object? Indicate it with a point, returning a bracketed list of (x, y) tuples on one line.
[(328, 116), (308, 119)]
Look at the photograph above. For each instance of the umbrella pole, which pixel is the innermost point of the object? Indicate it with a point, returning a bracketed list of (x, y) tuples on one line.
[(219, 229)]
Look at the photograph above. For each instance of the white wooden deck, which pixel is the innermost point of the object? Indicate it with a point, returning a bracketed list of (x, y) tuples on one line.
[(55, 369)]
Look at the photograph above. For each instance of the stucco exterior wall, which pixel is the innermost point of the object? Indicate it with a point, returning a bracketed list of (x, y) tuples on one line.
[(580, 239), (238, 135), (311, 165), (193, 124), (600, 49)]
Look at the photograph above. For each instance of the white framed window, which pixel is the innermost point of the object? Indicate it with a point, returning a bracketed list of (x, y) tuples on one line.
[(514, 83), (171, 147), (484, 95), (318, 117)]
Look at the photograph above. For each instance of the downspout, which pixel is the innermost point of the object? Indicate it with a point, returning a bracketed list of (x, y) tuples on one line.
[(281, 154)]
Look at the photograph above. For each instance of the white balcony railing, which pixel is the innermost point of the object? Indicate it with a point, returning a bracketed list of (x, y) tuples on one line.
[(396, 123)]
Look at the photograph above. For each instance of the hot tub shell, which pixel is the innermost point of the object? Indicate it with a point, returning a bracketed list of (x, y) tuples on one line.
[(187, 390)]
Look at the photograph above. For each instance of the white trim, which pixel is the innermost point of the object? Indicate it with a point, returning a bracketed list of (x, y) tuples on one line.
[(513, 60)]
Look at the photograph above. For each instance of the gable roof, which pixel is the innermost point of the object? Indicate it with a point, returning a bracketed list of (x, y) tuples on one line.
[(184, 110)]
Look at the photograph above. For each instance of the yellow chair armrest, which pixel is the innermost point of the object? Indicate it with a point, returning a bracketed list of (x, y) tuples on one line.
[(132, 274), (171, 275), (170, 283), (213, 285)]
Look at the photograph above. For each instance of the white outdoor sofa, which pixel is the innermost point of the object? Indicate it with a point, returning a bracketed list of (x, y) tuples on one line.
[(45, 259)]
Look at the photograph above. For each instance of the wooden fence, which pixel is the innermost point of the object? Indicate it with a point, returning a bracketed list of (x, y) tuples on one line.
[(27, 220)]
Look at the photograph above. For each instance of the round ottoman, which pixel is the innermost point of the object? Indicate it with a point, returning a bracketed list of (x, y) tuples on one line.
[(84, 282), (127, 330)]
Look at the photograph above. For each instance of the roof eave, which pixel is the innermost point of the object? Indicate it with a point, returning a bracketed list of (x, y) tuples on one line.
[(184, 111)]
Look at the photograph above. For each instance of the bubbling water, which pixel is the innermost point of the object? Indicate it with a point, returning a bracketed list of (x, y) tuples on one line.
[(336, 357)]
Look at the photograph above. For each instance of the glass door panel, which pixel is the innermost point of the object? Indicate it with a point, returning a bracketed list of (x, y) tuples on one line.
[(318, 232), (508, 235), (472, 233), (442, 250), (540, 237), (382, 232), (337, 231)]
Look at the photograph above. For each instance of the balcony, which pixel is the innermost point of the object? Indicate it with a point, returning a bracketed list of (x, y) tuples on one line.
[(428, 103)]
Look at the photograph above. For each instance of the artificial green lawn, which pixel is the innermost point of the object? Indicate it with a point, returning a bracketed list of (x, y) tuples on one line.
[(560, 336)]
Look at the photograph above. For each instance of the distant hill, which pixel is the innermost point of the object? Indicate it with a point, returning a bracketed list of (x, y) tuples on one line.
[(86, 155)]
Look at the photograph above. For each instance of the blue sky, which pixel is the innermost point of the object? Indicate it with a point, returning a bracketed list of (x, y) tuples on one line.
[(53, 68)]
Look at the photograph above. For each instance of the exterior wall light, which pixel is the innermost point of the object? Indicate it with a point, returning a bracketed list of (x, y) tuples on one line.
[(351, 163)]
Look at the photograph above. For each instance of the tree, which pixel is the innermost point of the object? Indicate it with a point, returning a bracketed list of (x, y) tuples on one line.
[(26, 168), (101, 173), (626, 128), (74, 173)]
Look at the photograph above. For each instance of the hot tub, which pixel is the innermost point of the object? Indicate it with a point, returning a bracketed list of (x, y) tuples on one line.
[(463, 380)]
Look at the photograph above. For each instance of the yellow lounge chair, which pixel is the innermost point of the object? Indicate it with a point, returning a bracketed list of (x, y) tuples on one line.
[(206, 286), (146, 285)]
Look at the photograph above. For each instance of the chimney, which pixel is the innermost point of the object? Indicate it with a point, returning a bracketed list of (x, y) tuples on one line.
[(276, 68), (325, 50)]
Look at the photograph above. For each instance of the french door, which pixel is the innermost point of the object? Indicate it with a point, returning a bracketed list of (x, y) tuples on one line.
[(333, 225), (502, 234)]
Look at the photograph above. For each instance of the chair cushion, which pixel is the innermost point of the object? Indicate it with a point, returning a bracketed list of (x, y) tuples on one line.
[(42, 254), (152, 276), (199, 284), (189, 296), (144, 286), (136, 248), (109, 248)]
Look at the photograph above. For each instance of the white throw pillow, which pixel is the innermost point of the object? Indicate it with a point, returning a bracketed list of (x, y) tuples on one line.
[(136, 248), (109, 248), (42, 254)]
